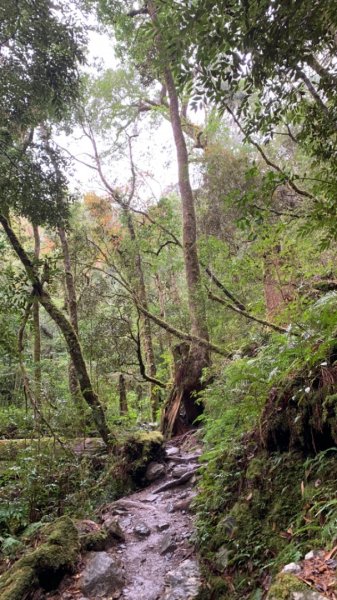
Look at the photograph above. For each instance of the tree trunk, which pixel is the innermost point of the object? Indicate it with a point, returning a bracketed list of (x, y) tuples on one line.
[(74, 386), (188, 376), (68, 332), (146, 334), (36, 329), (277, 293), (123, 401)]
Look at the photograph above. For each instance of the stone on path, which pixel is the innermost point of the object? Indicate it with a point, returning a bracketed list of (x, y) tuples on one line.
[(154, 471), (184, 582), (162, 526), (168, 544), (172, 451), (142, 530), (114, 529), (178, 471), (102, 576), (291, 568)]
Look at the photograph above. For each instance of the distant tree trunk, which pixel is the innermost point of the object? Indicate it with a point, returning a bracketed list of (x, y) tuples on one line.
[(189, 375), (146, 334), (277, 293), (74, 386), (168, 336), (68, 332), (123, 401), (36, 329)]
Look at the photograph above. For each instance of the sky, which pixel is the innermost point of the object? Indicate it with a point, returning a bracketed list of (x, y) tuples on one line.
[(153, 150)]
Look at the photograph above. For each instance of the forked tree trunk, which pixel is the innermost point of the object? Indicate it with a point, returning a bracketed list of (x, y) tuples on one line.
[(189, 373), (68, 333)]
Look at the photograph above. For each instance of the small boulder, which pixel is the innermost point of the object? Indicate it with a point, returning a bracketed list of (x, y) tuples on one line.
[(179, 471), (168, 544), (162, 526), (142, 530), (172, 451), (183, 582), (291, 568), (114, 530), (102, 576), (154, 471)]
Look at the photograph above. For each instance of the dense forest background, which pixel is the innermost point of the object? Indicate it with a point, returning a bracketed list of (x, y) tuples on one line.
[(168, 260)]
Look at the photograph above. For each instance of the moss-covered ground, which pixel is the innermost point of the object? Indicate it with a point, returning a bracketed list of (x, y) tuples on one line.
[(267, 510)]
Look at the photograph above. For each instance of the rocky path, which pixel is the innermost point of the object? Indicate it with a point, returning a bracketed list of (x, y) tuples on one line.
[(155, 558)]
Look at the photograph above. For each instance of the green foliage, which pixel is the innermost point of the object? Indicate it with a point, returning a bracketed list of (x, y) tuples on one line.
[(39, 82)]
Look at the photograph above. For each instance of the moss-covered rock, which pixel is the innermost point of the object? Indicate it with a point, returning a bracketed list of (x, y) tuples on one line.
[(284, 587), (139, 450), (43, 567)]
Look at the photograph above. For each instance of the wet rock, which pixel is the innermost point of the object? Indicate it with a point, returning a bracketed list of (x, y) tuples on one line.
[(183, 495), (102, 576), (154, 471), (291, 568), (172, 451), (151, 498), (168, 544), (184, 582), (221, 558), (114, 530), (313, 554), (162, 526), (179, 471), (142, 530)]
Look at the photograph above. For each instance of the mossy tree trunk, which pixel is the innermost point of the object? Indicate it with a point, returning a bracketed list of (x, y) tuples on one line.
[(68, 333)]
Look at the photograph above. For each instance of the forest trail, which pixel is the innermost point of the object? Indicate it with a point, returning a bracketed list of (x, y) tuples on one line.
[(156, 560)]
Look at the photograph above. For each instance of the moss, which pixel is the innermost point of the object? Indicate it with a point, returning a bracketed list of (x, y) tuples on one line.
[(150, 437), (257, 467), (94, 540), (284, 586), (56, 554), (140, 449), (216, 589), (18, 583)]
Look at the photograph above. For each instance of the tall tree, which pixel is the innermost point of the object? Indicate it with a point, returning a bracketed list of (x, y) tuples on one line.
[(40, 55)]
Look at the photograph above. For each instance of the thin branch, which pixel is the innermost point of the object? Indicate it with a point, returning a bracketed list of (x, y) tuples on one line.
[(181, 334), (247, 315), (267, 160), (142, 369), (312, 90), (221, 287)]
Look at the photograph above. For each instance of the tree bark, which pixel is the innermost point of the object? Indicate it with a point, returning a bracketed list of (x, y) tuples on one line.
[(68, 332), (146, 333), (36, 330), (199, 356), (74, 386), (123, 401)]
